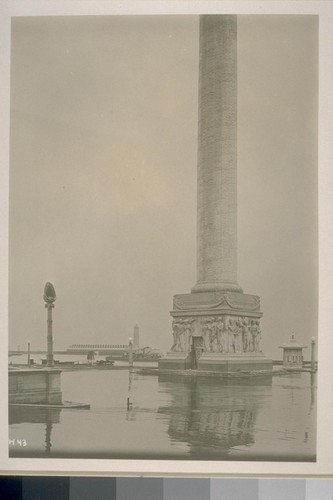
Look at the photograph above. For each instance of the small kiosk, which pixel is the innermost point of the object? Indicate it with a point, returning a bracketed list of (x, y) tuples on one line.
[(292, 354)]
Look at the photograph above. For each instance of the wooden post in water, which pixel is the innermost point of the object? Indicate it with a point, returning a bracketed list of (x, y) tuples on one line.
[(313, 343), (130, 362), (28, 361)]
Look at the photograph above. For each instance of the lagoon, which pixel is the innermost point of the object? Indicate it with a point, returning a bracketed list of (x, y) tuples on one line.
[(173, 417)]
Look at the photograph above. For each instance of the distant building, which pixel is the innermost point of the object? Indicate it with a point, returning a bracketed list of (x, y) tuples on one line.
[(292, 354), (115, 350), (147, 353), (136, 337)]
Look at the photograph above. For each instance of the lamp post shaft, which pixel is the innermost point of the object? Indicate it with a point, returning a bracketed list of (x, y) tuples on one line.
[(49, 298), (49, 356)]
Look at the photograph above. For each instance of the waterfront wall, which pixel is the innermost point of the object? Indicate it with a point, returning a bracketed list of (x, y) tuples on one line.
[(39, 386)]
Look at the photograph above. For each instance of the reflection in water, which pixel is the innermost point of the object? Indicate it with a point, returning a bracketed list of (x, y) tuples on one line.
[(34, 415), (312, 385), (173, 418), (213, 414), (130, 413), (48, 432)]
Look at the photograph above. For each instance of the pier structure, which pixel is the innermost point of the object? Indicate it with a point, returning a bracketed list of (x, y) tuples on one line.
[(34, 386), (216, 327)]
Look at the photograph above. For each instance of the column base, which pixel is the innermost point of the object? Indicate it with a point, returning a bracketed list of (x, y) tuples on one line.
[(175, 361), (212, 362), (216, 331), (216, 287)]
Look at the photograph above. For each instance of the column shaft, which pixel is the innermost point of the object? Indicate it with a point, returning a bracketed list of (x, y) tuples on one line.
[(217, 155)]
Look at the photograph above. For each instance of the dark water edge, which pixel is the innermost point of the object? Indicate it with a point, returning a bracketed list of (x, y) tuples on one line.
[(198, 456), (168, 456)]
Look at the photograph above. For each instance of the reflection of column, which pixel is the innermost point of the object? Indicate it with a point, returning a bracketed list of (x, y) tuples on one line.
[(214, 413), (36, 415), (217, 155), (130, 413), (312, 382), (48, 431)]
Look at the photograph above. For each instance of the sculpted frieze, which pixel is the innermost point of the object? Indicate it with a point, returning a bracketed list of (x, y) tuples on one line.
[(220, 334)]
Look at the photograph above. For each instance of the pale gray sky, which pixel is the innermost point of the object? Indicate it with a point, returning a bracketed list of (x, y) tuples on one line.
[(103, 174)]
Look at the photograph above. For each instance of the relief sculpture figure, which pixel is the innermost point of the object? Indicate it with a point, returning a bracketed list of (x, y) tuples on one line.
[(206, 335), (176, 332), (230, 336), (214, 335), (233, 334), (238, 336), (182, 334), (187, 334), (221, 336), (245, 334), (255, 335), (213, 344)]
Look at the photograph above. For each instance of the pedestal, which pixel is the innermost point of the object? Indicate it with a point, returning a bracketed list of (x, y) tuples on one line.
[(216, 331), (232, 363), (176, 361)]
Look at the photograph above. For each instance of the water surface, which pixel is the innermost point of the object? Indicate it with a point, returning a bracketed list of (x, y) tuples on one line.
[(262, 418)]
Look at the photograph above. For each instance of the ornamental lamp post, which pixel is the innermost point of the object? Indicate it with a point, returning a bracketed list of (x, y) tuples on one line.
[(49, 299), (130, 352)]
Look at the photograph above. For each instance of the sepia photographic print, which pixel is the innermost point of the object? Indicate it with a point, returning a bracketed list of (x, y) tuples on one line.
[(167, 310)]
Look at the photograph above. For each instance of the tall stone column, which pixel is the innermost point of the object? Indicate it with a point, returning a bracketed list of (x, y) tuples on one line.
[(216, 327), (217, 156)]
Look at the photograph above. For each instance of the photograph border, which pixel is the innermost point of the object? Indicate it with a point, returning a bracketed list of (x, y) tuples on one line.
[(324, 464)]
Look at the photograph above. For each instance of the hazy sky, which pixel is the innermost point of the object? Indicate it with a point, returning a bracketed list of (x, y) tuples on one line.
[(103, 175)]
